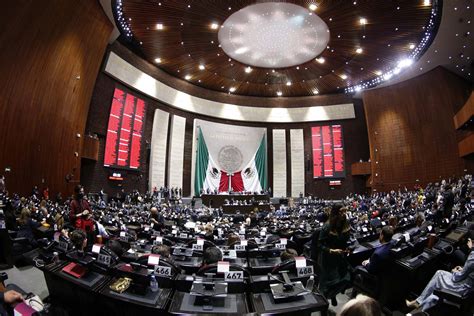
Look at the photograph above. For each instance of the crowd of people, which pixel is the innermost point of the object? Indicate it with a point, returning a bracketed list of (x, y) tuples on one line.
[(332, 227)]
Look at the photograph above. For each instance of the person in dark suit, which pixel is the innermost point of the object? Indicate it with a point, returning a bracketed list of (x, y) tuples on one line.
[(381, 256)]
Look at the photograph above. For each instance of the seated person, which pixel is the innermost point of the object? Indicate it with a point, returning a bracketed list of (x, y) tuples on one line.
[(460, 280), (232, 239), (288, 254), (115, 246), (211, 255), (26, 226), (381, 256), (162, 250), (8, 299), (78, 239), (361, 306)]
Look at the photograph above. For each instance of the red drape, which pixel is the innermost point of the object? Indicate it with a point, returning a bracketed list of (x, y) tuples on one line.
[(236, 182)]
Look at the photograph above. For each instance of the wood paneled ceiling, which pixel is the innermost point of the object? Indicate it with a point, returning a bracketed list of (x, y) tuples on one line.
[(185, 40)]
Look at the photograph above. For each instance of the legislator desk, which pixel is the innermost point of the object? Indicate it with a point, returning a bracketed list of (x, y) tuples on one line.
[(150, 303), (77, 296), (260, 266), (184, 304), (244, 209), (218, 200), (264, 304)]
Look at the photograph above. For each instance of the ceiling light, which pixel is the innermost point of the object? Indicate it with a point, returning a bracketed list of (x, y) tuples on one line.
[(378, 73), (288, 83), (159, 26), (426, 2), (202, 67), (232, 89), (248, 69), (396, 71), (407, 62), (279, 93), (158, 60), (315, 91), (214, 26), (359, 50), (320, 60), (187, 77), (343, 76), (387, 76), (313, 6), (363, 21), (412, 46)]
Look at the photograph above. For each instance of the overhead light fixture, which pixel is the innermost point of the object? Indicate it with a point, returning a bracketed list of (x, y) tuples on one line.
[(315, 91), (288, 83), (313, 7), (159, 26), (232, 89), (187, 77), (343, 76), (214, 26), (378, 73), (407, 62), (320, 60), (158, 60), (412, 46), (248, 69), (359, 50), (202, 67), (426, 2), (279, 93), (363, 21)]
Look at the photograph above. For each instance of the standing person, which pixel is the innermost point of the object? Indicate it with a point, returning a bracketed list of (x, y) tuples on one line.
[(333, 247), (2, 184), (78, 205)]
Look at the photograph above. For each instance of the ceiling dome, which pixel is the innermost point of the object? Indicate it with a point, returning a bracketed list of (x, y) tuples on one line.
[(279, 48)]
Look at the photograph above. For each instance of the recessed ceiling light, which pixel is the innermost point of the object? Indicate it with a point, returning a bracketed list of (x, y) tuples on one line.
[(159, 26), (359, 50), (378, 73), (320, 60), (288, 83), (202, 67), (214, 26), (426, 2), (315, 91), (313, 6), (279, 93), (187, 77), (412, 46), (248, 69), (232, 89), (363, 21), (343, 76), (158, 60)]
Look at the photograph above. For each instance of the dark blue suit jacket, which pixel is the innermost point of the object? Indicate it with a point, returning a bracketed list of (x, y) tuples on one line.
[(380, 259)]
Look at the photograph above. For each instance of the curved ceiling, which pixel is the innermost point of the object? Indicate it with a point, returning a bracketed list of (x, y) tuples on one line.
[(367, 39)]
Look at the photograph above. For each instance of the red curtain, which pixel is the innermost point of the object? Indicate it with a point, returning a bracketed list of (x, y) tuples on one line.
[(237, 183)]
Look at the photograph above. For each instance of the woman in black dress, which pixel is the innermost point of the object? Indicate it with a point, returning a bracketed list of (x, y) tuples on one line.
[(333, 240)]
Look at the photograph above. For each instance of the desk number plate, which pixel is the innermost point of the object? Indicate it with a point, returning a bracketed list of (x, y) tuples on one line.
[(305, 271), (239, 248), (103, 259), (183, 235), (197, 247), (163, 271), (234, 275), (280, 246)]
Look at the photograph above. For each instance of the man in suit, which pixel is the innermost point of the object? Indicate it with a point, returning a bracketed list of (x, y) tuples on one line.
[(381, 256), (460, 279)]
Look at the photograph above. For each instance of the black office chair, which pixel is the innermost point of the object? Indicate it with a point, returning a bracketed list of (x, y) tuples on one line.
[(17, 250), (465, 302), (290, 266)]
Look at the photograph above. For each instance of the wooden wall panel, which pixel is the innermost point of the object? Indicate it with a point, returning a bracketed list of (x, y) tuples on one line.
[(465, 113), (51, 53), (411, 130)]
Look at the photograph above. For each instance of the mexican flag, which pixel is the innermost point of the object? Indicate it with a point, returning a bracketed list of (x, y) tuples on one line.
[(208, 175)]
